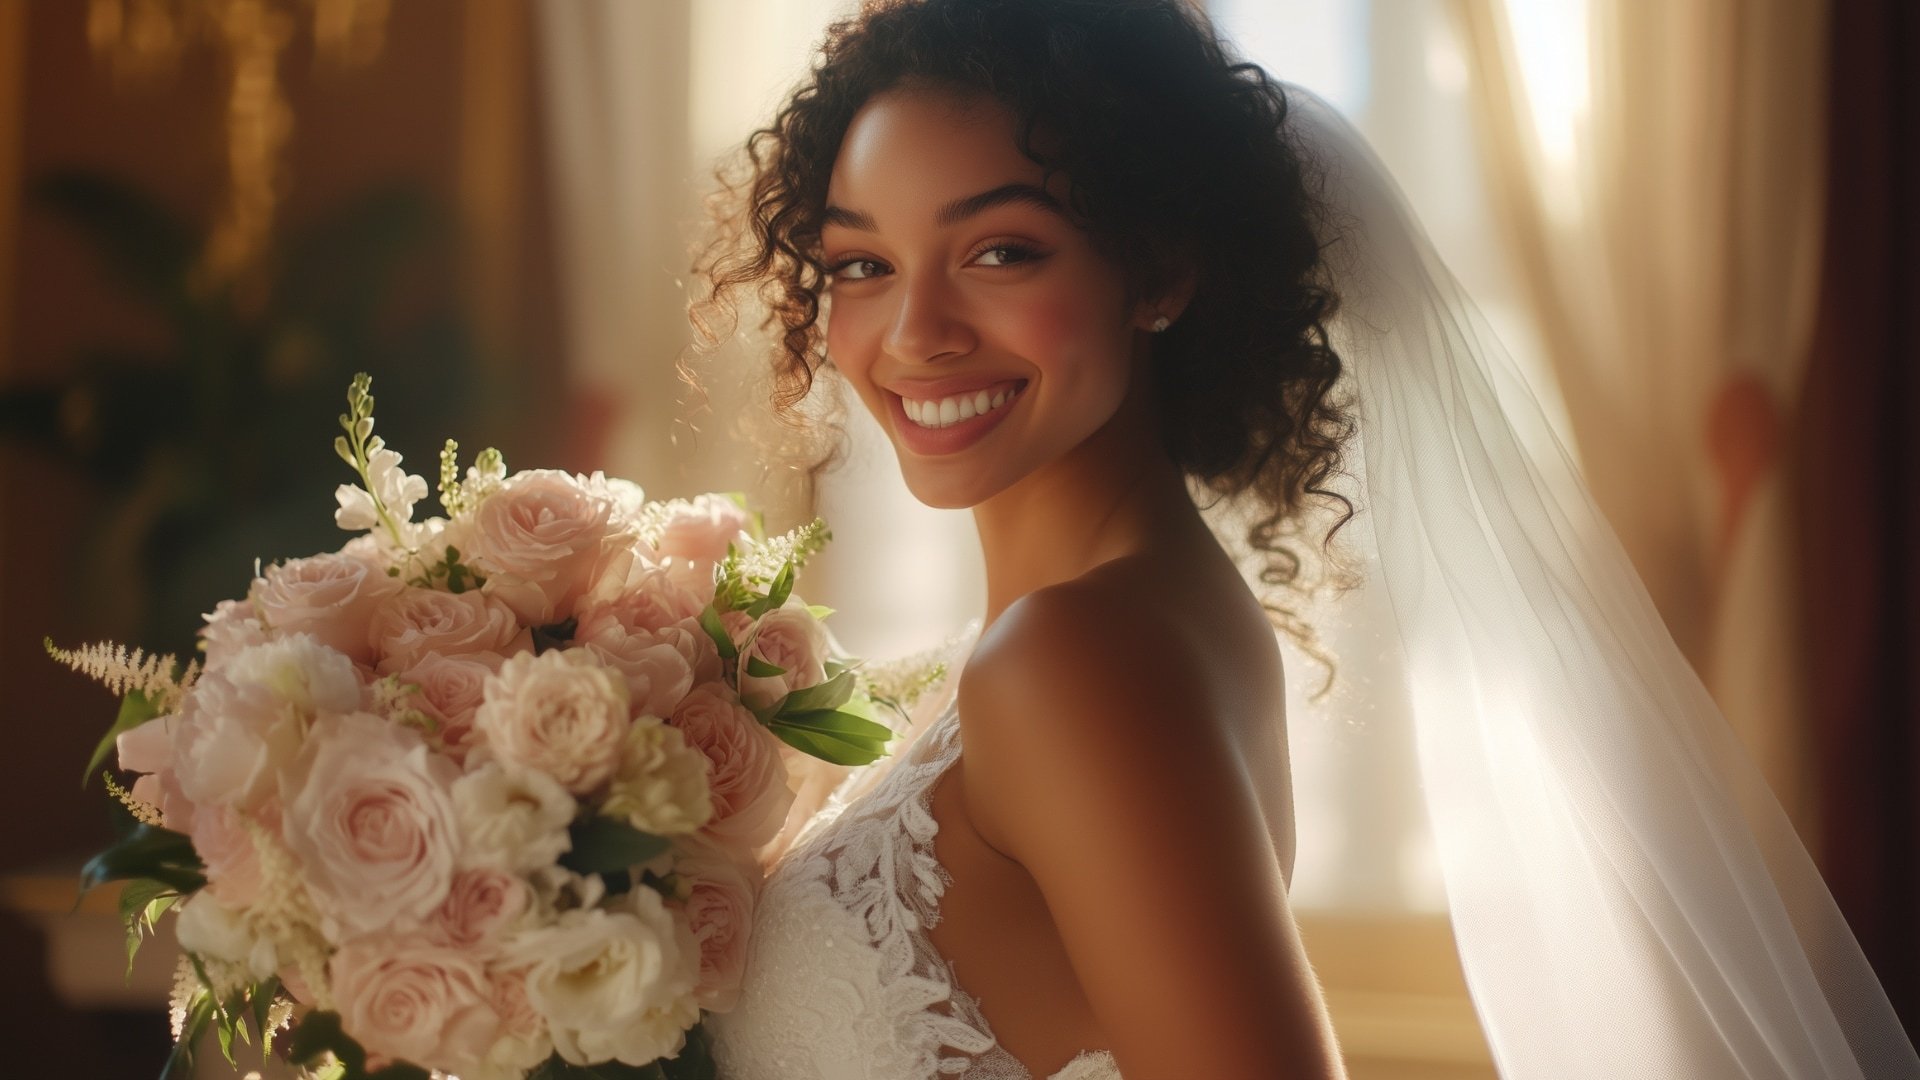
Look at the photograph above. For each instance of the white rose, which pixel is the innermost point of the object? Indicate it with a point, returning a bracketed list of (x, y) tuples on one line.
[(514, 818), (661, 786), (614, 983), (370, 816), (206, 927), (562, 712), (789, 638)]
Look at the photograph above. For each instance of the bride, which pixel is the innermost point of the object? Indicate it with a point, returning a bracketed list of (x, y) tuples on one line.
[(1085, 268)]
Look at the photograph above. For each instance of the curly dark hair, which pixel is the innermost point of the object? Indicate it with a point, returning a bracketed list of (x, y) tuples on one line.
[(1176, 156)]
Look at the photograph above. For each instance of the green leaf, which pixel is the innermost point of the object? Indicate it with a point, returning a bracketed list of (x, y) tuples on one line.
[(261, 1002), (834, 735), (141, 902), (717, 630), (782, 586), (761, 669), (318, 1034), (135, 709), (555, 636), (819, 611), (148, 851), (829, 695), (603, 845)]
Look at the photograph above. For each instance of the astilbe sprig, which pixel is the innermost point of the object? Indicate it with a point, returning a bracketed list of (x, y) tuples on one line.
[(122, 670), (743, 576)]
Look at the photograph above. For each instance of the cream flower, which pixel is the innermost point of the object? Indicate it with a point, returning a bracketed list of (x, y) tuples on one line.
[(206, 927), (514, 817), (614, 983), (661, 787), (562, 712)]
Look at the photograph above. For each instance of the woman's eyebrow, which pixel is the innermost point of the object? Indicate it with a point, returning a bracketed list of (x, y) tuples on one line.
[(959, 209)]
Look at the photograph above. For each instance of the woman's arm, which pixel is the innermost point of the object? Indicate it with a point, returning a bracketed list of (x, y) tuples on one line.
[(1092, 761)]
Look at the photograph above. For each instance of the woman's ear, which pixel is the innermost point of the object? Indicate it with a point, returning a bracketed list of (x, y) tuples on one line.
[(1159, 312)]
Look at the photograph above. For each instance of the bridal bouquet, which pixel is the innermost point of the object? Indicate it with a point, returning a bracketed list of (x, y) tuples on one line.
[(479, 795)]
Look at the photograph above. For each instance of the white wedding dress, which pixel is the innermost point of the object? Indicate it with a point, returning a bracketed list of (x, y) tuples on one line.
[(842, 982)]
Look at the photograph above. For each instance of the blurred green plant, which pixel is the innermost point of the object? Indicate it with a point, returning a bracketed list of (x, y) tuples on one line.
[(203, 449)]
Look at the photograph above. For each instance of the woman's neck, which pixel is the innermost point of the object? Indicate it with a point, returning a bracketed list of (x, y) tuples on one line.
[(1114, 495)]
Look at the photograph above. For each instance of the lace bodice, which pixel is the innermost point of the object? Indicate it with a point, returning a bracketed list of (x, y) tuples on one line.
[(842, 981)]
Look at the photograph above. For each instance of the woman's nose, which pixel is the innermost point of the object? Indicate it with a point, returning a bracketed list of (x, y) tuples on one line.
[(928, 324)]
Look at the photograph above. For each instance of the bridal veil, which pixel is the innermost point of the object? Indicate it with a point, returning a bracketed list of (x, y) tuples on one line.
[(1628, 898)]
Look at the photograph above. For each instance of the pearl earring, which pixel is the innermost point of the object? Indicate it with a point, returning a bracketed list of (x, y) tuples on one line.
[(1161, 323)]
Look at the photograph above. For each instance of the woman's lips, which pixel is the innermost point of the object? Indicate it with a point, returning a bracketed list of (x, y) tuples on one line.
[(954, 437)]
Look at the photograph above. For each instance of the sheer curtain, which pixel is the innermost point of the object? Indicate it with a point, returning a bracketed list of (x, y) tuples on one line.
[(1660, 184)]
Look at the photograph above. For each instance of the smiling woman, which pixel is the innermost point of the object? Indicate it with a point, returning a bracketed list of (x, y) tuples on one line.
[(1043, 318), (1085, 224)]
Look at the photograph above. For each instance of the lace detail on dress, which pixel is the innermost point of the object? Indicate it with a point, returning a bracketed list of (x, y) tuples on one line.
[(842, 980)]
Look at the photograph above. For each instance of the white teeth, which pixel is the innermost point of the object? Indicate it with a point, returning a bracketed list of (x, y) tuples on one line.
[(952, 410)]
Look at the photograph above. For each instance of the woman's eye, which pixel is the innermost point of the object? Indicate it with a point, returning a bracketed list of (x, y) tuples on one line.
[(1007, 254), (856, 269)]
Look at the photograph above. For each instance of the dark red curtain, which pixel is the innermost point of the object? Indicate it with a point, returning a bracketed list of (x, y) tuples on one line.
[(1857, 480)]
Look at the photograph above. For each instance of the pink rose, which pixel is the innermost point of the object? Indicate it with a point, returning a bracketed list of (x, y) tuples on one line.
[(789, 638), (524, 1041), (331, 596), (748, 779), (226, 846), (370, 816), (562, 712), (417, 622), (480, 904), (699, 529), (655, 666), (539, 540), (694, 643), (649, 598), (230, 627), (402, 997), (719, 910), (451, 689)]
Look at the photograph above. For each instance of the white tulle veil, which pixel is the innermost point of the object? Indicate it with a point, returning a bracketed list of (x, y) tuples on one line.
[(1628, 898)]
